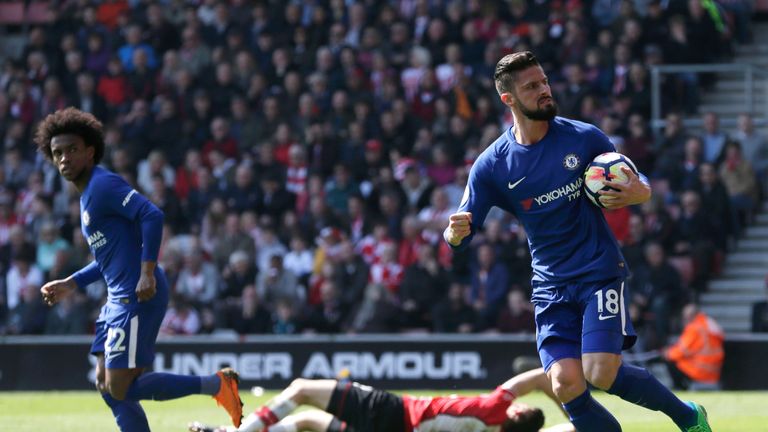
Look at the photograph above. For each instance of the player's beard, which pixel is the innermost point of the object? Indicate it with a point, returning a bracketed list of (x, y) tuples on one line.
[(540, 114)]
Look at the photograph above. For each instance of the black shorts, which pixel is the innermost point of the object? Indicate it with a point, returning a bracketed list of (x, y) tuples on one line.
[(365, 409)]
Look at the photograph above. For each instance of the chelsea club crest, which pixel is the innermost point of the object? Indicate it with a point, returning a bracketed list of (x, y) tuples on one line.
[(86, 218), (571, 161)]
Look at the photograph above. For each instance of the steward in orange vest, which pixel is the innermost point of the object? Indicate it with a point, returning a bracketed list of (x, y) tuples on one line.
[(698, 354)]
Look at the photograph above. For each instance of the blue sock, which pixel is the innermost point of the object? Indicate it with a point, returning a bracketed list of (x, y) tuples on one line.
[(638, 386), (129, 415), (164, 386), (589, 416)]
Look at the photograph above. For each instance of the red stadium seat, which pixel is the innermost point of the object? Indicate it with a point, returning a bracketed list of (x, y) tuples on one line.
[(37, 13), (684, 266), (11, 13)]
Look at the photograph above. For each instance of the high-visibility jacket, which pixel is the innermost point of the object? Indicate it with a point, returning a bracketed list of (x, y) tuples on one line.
[(699, 351)]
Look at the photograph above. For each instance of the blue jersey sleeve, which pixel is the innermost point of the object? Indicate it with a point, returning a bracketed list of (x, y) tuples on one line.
[(600, 142), (119, 197), (478, 195), (87, 275)]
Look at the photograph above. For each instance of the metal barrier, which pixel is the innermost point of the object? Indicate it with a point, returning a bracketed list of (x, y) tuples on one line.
[(751, 73)]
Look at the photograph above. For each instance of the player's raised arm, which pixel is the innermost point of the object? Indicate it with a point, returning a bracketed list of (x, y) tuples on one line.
[(474, 205)]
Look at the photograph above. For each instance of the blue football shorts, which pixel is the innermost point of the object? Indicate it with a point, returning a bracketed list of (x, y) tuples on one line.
[(126, 330), (581, 317)]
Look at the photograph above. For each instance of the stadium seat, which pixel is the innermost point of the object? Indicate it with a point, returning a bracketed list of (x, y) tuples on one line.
[(37, 13), (11, 13), (684, 265), (718, 258)]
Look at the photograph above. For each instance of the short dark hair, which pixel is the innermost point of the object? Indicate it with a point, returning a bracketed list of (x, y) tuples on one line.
[(528, 421), (71, 121), (508, 67)]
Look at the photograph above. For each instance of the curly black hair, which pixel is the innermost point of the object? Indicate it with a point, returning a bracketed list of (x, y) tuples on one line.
[(530, 421), (71, 121)]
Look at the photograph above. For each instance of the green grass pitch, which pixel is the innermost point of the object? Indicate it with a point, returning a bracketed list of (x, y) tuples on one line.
[(84, 411)]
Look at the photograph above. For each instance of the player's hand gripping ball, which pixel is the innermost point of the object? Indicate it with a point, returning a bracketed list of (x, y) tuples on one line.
[(608, 167)]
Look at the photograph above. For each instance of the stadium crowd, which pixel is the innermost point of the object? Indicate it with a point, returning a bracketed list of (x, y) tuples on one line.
[(307, 155)]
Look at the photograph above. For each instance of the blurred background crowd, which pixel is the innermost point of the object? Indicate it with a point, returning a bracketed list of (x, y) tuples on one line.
[(307, 155)]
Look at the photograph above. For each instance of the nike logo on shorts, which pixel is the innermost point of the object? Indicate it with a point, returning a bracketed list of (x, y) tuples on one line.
[(601, 317)]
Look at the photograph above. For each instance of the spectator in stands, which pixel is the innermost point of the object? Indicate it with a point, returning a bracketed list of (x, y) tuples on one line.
[(639, 144), (22, 274), (329, 315), (136, 125), (516, 316), (29, 315), (433, 217), (754, 146), (162, 196), (658, 293), (221, 140), (670, 145), (247, 315), (498, 235), (686, 174), (238, 273), (68, 317), (419, 289), (351, 275), (453, 314), (161, 34), (413, 238), (277, 285), (133, 43), (713, 139), (198, 282), (697, 356), (633, 248), (284, 320), (339, 189), (714, 198), (569, 100), (180, 318), (740, 182), (87, 99), (167, 131), (692, 237), (299, 259), (154, 165), (417, 187), (19, 172), (201, 197), (243, 194), (269, 246), (490, 283), (233, 239), (51, 249)]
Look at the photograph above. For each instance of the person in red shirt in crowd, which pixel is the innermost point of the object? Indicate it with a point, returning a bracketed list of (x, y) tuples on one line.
[(352, 407)]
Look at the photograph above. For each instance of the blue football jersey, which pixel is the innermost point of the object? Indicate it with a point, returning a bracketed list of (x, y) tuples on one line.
[(541, 184), (111, 215)]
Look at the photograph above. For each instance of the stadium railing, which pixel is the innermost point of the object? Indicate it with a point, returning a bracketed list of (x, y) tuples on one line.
[(752, 74)]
